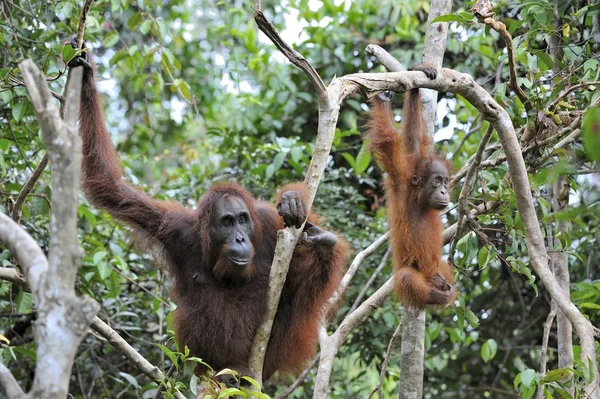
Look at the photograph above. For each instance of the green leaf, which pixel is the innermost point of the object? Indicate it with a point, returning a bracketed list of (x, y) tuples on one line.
[(490, 347), (452, 18), (484, 256), (556, 375), (227, 371), (170, 354), (231, 392), (350, 159), (527, 377), (591, 133), (471, 318), (111, 39), (18, 110), (363, 159), (485, 352), (24, 302), (252, 381), (296, 153), (104, 270), (589, 305), (68, 53), (145, 26), (98, 256), (130, 379)]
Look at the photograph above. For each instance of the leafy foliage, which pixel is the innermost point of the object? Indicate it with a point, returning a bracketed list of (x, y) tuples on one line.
[(195, 95)]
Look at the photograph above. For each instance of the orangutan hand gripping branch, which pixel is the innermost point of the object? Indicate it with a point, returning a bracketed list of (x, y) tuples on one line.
[(220, 255), (417, 190)]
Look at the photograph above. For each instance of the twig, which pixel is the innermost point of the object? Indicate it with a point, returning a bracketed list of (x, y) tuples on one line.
[(35, 176), (384, 58), (467, 186), (295, 57), (386, 360), (358, 259), (14, 276), (544, 349), (82, 20), (571, 89), (366, 287), (299, 379), (484, 14)]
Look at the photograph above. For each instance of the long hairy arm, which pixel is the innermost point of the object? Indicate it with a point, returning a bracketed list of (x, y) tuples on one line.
[(103, 182), (384, 141)]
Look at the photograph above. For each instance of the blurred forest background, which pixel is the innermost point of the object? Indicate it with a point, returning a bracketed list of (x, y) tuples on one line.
[(194, 95)]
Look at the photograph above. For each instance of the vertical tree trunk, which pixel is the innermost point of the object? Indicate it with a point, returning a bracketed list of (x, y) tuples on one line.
[(412, 354), (560, 201), (412, 351)]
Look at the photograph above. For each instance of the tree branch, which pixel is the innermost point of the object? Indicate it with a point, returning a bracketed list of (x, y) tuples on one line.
[(63, 318), (9, 384), (295, 57), (484, 13), (13, 275), (467, 186), (386, 360), (385, 58), (24, 193), (366, 287), (358, 259), (329, 106)]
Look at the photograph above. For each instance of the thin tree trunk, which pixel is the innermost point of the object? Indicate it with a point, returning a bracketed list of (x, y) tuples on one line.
[(413, 327)]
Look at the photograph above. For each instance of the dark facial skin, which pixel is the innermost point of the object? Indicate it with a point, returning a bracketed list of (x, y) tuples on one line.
[(232, 227), (436, 186)]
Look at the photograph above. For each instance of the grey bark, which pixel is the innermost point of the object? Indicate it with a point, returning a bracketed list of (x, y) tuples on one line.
[(62, 318)]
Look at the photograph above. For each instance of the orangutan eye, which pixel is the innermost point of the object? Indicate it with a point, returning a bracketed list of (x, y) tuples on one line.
[(227, 220), (243, 218)]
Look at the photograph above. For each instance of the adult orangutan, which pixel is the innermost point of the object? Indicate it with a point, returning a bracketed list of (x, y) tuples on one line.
[(417, 190), (220, 254)]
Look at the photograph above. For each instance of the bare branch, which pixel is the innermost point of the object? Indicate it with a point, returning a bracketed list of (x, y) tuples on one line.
[(412, 353), (484, 13), (467, 185), (287, 238), (9, 385), (295, 57), (140, 362), (82, 19), (331, 345), (24, 193), (28, 253), (386, 360), (385, 58), (12, 275), (299, 379), (544, 349), (61, 323), (358, 259), (366, 287)]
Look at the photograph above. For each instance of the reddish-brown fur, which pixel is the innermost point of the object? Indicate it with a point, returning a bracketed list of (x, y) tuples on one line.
[(416, 233), (218, 310)]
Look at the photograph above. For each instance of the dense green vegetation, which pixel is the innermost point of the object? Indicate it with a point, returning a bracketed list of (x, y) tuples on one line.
[(194, 95)]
